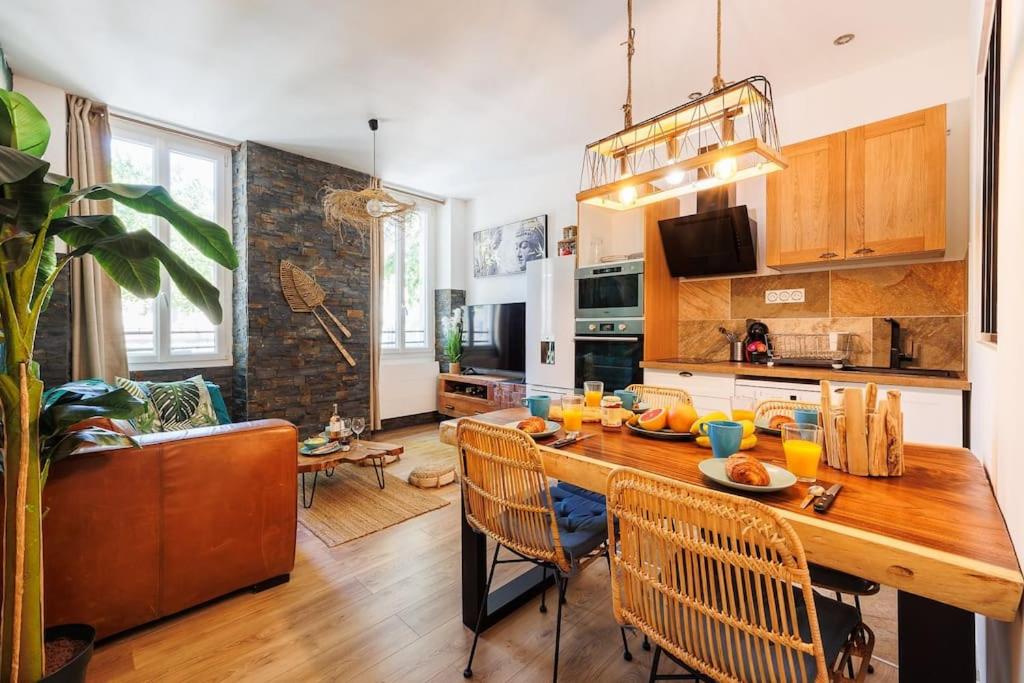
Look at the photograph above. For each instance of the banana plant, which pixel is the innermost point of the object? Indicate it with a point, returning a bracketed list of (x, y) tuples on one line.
[(33, 213)]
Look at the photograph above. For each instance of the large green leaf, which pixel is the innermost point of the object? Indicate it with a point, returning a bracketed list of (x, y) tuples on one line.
[(129, 249), (115, 404), (22, 126), (16, 165), (72, 441), (210, 239), (139, 274), (47, 264)]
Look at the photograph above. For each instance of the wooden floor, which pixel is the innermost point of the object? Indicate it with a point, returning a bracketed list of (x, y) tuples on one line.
[(387, 608)]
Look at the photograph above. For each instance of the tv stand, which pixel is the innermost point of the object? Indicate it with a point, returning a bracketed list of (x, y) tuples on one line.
[(464, 395)]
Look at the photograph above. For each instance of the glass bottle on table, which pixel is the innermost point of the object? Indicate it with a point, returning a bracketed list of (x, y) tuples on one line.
[(572, 414), (334, 425)]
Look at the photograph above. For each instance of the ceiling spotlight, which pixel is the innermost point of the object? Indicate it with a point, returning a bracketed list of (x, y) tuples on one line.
[(843, 39)]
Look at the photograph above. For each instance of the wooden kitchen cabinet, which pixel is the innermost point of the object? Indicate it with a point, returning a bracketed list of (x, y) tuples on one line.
[(896, 186), (874, 191), (807, 204)]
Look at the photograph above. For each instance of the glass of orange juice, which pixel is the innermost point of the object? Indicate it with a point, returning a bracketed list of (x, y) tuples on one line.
[(593, 391), (802, 445), (742, 408), (572, 414)]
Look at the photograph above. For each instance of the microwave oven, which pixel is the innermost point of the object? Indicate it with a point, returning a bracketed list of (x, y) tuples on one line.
[(612, 290)]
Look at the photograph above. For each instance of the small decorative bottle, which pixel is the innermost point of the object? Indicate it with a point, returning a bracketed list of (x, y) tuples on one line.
[(334, 427)]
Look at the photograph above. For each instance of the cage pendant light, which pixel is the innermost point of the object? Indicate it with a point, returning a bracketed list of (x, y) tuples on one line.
[(722, 137), (362, 208)]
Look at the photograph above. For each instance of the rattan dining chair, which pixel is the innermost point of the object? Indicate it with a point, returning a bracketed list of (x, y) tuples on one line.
[(659, 397), (507, 496), (720, 585)]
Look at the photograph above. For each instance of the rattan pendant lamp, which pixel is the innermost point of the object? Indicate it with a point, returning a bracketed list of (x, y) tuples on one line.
[(362, 208), (726, 135)]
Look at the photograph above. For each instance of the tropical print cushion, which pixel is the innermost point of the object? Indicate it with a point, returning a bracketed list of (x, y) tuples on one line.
[(183, 405), (147, 422)]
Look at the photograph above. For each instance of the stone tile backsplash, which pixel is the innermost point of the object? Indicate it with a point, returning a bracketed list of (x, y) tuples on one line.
[(927, 299)]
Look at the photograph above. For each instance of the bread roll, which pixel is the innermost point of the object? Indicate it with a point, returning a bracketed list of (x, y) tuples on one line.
[(532, 425), (745, 469)]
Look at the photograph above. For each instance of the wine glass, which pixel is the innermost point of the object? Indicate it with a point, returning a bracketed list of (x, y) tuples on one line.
[(358, 425)]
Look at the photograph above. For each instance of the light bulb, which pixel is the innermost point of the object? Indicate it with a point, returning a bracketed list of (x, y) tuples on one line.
[(627, 195), (725, 168), (675, 177), (375, 208)]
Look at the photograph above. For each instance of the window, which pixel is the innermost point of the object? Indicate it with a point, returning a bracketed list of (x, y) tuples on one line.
[(406, 322), (990, 184), (169, 331)]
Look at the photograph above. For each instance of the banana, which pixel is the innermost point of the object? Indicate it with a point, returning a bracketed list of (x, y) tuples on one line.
[(703, 442), (710, 417), (748, 428), (748, 442)]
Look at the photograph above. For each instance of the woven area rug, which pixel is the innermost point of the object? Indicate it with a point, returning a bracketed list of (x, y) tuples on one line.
[(350, 505)]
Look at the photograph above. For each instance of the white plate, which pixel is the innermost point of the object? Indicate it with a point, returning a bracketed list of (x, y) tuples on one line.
[(779, 478), (549, 428)]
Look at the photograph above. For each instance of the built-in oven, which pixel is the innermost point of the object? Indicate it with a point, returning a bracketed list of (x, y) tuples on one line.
[(609, 351), (610, 290)]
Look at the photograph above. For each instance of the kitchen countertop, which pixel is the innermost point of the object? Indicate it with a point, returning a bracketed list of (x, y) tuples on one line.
[(790, 372)]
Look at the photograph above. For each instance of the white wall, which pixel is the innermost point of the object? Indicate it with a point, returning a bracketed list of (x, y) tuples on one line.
[(51, 103), (996, 370), (942, 74)]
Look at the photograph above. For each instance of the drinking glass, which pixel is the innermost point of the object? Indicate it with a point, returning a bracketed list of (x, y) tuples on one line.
[(802, 445), (358, 425), (346, 431), (572, 415), (593, 391), (742, 407)]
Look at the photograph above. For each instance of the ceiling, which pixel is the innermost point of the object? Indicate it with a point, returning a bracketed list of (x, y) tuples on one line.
[(467, 92)]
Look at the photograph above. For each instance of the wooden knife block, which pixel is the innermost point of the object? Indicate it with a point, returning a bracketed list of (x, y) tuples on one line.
[(875, 449)]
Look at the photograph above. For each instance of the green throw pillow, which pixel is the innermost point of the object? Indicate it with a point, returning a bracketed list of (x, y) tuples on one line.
[(183, 405), (148, 422)]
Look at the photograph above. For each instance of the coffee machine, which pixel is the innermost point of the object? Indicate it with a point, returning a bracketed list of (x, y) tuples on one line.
[(755, 346)]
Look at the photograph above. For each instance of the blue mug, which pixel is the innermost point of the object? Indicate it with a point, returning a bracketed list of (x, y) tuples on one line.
[(725, 436), (540, 406), (806, 416), (628, 398)]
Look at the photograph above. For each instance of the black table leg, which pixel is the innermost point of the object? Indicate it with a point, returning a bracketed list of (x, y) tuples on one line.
[(502, 601), (312, 492), (378, 470), (936, 640)]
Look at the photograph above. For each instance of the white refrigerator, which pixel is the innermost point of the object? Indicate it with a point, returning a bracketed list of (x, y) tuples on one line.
[(550, 325)]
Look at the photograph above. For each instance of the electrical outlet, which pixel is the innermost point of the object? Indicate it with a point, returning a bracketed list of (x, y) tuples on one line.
[(784, 296)]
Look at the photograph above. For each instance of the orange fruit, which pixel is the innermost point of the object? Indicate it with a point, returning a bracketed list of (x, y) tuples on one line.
[(681, 417), (653, 420)]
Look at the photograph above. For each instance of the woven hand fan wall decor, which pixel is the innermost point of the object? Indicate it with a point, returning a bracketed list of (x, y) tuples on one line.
[(304, 295), (362, 208)]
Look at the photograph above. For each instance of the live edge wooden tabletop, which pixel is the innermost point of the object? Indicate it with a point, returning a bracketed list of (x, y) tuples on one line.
[(937, 531), (361, 450)]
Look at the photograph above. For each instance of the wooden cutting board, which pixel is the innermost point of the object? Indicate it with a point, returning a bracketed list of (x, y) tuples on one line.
[(856, 432)]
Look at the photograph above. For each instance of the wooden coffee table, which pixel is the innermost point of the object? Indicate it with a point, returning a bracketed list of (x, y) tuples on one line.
[(374, 451)]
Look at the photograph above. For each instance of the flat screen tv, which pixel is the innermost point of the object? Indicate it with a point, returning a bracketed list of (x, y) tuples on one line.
[(494, 338)]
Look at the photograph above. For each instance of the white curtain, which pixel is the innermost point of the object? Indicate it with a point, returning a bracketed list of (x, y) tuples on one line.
[(376, 266), (97, 331)]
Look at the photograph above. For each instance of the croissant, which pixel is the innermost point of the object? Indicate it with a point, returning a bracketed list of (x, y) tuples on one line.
[(532, 425), (777, 421), (744, 469)]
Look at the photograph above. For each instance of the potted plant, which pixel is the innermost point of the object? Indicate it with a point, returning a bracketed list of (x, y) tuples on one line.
[(33, 213), (453, 340)]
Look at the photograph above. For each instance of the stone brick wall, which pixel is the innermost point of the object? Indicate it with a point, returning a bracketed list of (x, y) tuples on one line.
[(53, 338), (285, 365)]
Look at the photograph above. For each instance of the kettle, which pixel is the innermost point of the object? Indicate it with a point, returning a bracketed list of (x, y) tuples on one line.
[(755, 346)]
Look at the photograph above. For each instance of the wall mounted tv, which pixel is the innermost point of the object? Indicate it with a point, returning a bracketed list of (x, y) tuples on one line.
[(494, 338)]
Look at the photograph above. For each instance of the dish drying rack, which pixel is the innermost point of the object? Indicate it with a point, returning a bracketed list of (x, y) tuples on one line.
[(814, 349)]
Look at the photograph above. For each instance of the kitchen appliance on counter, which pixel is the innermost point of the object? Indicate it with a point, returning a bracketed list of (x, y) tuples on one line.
[(755, 346), (609, 351), (610, 291)]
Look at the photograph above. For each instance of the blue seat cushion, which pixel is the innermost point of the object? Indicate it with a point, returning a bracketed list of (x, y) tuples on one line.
[(582, 523), (583, 493)]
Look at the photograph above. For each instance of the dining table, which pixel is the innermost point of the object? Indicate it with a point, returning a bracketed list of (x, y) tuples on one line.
[(935, 534)]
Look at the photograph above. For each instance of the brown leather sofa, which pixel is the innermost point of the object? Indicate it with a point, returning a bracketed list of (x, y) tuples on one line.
[(132, 535)]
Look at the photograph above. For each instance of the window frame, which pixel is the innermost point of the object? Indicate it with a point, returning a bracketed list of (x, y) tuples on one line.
[(988, 237), (163, 142), (428, 212)]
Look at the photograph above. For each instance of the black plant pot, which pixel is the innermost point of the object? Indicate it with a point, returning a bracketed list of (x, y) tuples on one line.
[(73, 671)]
